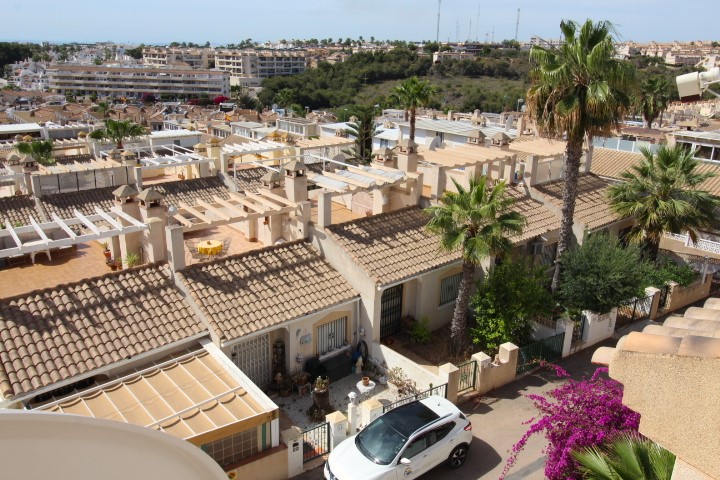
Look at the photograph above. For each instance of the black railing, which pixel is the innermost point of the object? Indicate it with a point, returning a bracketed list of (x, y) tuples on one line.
[(316, 441), (579, 327), (468, 375), (664, 296), (439, 390), (632, 310), (548, 349)]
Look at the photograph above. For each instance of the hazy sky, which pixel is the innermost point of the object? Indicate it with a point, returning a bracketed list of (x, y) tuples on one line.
[(221, 21)]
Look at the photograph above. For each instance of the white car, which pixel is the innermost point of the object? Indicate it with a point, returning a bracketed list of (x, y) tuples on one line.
[(404, 443)]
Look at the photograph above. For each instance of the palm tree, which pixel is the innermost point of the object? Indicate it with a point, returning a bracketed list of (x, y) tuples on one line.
[(652, 98), (363, 129), (411, 94), (478, 221), (117, 131), (663, 195), (628, 457), (40, 150), (577, 89)]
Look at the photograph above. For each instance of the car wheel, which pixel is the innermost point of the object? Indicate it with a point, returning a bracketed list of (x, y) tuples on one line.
[(458, 456)]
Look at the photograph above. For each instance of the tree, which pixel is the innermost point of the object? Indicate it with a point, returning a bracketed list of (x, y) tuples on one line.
[(576, 415), (40, 150), (411, 94), (652, 98), (285, 97), (220, 99), (600, 274), (117, 131), (663, 194), (577, 89), (136, 52), (477, 221), (363, 130), (512, 294), (629, 456)]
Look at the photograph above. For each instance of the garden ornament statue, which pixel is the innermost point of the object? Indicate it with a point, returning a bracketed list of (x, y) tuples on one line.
[(359, 365)]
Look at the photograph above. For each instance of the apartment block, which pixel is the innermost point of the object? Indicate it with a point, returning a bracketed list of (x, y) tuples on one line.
[(133, 82), (261, 63), (190, 57)]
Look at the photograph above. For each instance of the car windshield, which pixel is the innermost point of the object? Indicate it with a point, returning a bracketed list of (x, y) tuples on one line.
[(380, 442)]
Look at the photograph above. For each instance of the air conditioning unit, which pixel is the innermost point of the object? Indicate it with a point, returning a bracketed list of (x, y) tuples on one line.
[(536, 248)]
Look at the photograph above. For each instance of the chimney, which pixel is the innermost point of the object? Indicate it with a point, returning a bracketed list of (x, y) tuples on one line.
[(175, 247), (385, 156), (406, 157), (295, 181)]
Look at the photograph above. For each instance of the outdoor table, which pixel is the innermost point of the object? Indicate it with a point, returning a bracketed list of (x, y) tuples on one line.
[(365, 389), (209, 247)]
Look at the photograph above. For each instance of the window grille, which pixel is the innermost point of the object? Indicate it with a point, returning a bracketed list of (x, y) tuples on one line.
[(449, 287), (331, 336)]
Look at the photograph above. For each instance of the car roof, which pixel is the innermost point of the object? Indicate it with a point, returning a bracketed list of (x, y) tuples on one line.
[(407, 419), (440, 405)]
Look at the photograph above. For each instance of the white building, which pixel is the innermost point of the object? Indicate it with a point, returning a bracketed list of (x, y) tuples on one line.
[(133, 82)]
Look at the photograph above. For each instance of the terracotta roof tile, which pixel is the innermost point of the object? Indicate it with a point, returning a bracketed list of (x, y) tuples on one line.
[(249, 179), (611, 163), (591, 204), (54, 334), (254, 290), (17, 209), (84, 201), (189, 191)]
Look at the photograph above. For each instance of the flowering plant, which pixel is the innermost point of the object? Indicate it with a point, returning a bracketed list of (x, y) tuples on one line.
[(574, 416)]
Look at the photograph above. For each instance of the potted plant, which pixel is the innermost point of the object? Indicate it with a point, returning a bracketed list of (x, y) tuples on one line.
[(118, 263), (285, 387), (106, 250), (300, 378), (132, 259), (112, 264)]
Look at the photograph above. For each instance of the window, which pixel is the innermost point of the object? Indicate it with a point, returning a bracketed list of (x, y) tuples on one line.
[(417, 446), (331, 336), (449, 287)]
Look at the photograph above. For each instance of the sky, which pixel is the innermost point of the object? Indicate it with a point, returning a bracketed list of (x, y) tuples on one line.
[(160, 22)]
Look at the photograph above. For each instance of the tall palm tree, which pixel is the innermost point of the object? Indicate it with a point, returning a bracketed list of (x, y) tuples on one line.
[(577, 89), (663, 195), (652, 98), (477, 221), (628, 457), (363, 129), (411, 94), (40, 150), (117, 131)]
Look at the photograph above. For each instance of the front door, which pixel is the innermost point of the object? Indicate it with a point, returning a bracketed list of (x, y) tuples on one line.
[(253, 358), (391, 310)]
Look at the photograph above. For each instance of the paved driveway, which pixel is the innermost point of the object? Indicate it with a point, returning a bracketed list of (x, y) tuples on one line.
[(498, 424)]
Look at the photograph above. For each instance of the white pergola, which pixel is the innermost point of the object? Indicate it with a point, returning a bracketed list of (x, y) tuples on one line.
[(42, 231), (356, 177), (237, 208)]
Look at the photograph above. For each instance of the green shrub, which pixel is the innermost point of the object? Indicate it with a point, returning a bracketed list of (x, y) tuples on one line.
[(666, 270), (420, 331), (513, 293), (601, 274)]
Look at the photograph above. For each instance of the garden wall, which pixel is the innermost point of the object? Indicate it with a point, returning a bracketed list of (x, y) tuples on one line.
[(271, 465), (679, 297)]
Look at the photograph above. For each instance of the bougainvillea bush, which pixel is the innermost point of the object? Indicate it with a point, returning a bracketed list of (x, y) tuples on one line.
[(574, 416)]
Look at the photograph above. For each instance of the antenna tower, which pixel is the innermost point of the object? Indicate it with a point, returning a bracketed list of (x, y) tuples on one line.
[(437, 32), (517, 25)]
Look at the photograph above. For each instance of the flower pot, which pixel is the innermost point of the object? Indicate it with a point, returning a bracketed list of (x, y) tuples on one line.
[(366, 381), (107, 254)]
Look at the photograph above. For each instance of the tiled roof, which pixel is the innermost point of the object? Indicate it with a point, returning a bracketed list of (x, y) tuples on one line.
[(189, 191), (84, 201), (248, 292), (591, 204), (248, 179), (611, 163), (392, 246), (17, 209), (538, 217), (55, 334)]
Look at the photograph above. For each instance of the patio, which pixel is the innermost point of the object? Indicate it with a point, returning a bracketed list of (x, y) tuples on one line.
[(294, 408)]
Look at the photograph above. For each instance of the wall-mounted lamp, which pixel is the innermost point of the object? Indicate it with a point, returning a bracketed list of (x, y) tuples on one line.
[(299, 358), (362, 332)]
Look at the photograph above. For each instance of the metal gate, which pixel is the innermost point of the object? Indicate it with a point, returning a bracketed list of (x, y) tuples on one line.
[(548, 349), (253, 358), (635, 309), (468, 375), (391, 310), (316, 441)]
